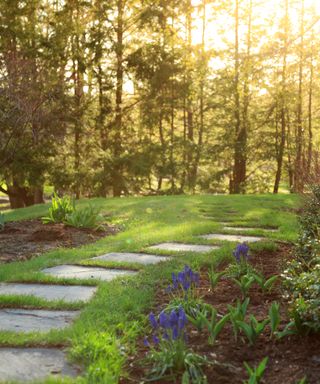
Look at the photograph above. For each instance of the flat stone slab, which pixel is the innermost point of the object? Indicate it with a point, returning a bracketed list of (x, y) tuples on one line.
[(178, 247), (142, 258), (79, 272), (34, 320), (239, 229), (31, 364), (67, 293), (236, 238)]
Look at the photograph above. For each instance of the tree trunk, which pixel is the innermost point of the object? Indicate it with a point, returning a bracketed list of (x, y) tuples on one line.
[(310, 133), (298, 170), (283, 103), (117, 167), (239, 167)]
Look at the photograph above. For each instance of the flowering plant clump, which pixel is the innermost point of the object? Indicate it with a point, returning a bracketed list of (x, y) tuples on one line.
[(241, 253), (168, 349), (185, 281), (169, 327)]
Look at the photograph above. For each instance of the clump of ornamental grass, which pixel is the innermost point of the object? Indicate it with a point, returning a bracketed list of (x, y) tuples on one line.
[(168, 352)]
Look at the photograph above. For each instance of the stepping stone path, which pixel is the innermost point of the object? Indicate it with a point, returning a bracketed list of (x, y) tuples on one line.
[(31, 364), (67, 293), (142, 258), (239, 229), (78, 272), (236, 238), (178, 247), (32, 320)]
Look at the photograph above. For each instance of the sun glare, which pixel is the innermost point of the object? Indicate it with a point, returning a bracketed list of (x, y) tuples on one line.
[(220, 30)]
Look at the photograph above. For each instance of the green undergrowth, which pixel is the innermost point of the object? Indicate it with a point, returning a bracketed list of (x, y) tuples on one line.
[(107, 327)]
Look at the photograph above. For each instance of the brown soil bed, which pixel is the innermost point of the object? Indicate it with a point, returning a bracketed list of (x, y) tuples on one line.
[(290, 359), (24, 239)]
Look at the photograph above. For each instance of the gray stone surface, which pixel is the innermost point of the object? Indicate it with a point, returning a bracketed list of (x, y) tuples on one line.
[(178, 247), (237, 238), (68, 293), (33, 320), (31, 364), (142, 258), (239, 229), (79, 272)]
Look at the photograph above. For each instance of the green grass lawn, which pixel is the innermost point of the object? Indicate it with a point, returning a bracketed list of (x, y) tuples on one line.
[(117, 313)]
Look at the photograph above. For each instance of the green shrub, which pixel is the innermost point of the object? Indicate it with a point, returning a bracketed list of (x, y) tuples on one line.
[(308, 243), (60, 208), (2, 221), (304, 298), (87, 217), (302, 276)]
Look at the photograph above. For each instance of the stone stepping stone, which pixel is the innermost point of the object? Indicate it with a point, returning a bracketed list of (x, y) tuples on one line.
[(236, 238), (33, 364), (142, 258), (67, 293), (35, 320), (178, 247), (239, 229), (79, 272)]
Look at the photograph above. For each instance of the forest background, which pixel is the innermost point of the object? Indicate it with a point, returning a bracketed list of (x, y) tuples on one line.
[(128, 97)]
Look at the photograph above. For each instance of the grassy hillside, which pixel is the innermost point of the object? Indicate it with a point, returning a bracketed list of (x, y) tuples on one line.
[(120, 305)]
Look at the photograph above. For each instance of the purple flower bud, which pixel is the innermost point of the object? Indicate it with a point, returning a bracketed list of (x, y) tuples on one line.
[(182, 318), (173, 318), (166, 336), (186, 285), (181, 277), (153, 320), (155, 339), (163, 320), (146, 342), (168, 289), (175, 333)]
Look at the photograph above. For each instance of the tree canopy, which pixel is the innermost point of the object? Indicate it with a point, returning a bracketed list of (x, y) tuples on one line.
[(113, 97)]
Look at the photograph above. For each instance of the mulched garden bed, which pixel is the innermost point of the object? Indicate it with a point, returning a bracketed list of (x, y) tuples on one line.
[(290, 359), (22, 240)]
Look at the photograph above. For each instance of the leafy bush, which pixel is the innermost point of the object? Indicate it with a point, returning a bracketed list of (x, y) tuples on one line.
[(302, 276), (308, 243), (60, 208), (87, 217), (2, 221)]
